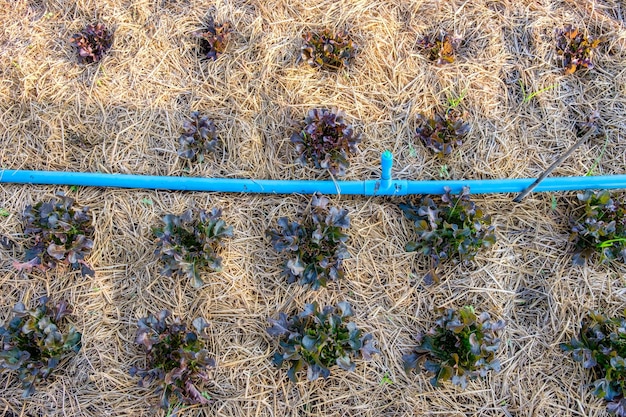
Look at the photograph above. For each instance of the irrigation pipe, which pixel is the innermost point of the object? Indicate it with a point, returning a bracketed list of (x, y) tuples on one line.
[(385, 186)]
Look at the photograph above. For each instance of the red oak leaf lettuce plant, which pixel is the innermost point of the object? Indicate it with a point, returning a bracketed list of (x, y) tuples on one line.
[(318, 340), (327, 50), (199, 137), (175, 358), (92, 43), (452, 228), (442, 134), (188, 243), (326, 139), (462, 346), (35, 341), (439, 48), (575, 49), (213, 39), (600, 229), (316, 244), (57, 232), (601, 348)]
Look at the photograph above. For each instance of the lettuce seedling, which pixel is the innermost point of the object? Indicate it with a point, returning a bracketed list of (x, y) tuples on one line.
[(461, 346), (319, 340), (35, 341), (175, 358), (92, 43), (327, 50), (440, 48), (326, 139), (442, 134), (199, 137), (601, 348), (57, 232), (189, 242), (575, 49), (451, 229), (601, 229), (316, 243), (213, 39)]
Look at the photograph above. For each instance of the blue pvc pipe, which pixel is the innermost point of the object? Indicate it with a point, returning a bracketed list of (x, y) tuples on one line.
[(386, 163), (381, 187)]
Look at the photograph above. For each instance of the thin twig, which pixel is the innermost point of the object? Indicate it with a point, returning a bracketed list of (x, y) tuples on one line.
[(520, 197)]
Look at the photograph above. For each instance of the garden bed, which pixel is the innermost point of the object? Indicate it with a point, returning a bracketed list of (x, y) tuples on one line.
[(125, 114)]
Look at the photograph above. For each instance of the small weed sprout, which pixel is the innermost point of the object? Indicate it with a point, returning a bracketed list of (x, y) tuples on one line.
[(316, 244), (454, 101), (213, 39), (92, 43), (175, 358), (188, 243), (36, 341), (326, 140), (592, 170), (528, 96), (327, 50), (440, 49), (462, 346), (600, 348), (575, 49), (442, 134), (318, 340), (444, 172), (451, 229), (199, 137), (600, 229), (57, 231)]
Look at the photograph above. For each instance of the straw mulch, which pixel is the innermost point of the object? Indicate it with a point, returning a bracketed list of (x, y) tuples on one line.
[(124, 115)]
